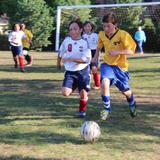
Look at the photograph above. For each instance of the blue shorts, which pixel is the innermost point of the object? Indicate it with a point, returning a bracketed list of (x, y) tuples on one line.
[(77, 79), (117, 76), (16, 50)]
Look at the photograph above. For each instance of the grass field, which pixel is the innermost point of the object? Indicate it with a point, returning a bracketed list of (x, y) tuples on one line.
[(37, 123)]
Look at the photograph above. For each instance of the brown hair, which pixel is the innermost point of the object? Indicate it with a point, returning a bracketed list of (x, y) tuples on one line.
[(110, 18), (79, 23), (92, 25)]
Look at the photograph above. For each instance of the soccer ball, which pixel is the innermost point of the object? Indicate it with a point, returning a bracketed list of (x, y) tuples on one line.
[(90, 131)]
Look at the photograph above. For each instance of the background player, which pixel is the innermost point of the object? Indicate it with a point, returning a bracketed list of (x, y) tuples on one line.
[(26, 42), (15, 39), (140, 38), (76, 56), (92, 39)]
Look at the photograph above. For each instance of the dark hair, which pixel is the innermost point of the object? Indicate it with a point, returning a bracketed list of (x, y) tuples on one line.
[(79, 23), (110, 18), (13, 26), (92, 25)]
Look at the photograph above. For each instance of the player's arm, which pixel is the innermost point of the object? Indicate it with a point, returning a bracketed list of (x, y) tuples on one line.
[(59, 62), (122, 52), (60, 55), (11, 39), (129, 46), (96, 56), (85, 58), (30, 37), (77, 60)]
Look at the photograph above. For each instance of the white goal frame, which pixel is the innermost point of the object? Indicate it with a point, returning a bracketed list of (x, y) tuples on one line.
[(59, 9)]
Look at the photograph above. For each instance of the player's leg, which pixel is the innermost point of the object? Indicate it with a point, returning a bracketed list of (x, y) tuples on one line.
[(105, 94), (94, 69), (68, 84), (140, 47), (83, 81), (14, 54), (28, 57), (83, 103), (131, 101), (122, 79), (107, 78)]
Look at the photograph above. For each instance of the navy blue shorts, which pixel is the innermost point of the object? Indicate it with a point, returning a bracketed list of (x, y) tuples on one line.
[(117, 76), (16, 50), (77, 79)]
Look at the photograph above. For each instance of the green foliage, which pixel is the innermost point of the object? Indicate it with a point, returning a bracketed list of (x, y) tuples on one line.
[(36, 15), (148, 23), (69, 14), (8, 6)]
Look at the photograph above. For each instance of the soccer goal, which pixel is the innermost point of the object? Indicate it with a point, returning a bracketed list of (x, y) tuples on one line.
[(130, 16)]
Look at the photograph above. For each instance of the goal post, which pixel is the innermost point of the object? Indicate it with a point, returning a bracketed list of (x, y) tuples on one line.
[(88, 10)]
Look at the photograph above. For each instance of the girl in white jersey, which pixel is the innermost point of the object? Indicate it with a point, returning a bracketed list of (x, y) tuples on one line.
[(76, 56), (15, 40), (92, 39)]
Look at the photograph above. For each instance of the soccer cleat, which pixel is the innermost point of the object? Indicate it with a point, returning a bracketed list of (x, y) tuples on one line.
[(22, 70), (16, 66), (104, 114), (96, 87), (29, 61), (28, 65), (82, 114), (133, 112)]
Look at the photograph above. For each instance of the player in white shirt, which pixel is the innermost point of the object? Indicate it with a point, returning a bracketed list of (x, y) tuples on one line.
[(15, 40), (92, 39), (76, 56)]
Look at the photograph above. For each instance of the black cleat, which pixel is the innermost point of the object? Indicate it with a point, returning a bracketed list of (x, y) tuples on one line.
[(16, 66), (22, 70)]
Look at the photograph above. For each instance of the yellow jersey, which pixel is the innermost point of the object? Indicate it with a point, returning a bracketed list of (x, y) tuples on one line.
[(26, 40), (120, 40)]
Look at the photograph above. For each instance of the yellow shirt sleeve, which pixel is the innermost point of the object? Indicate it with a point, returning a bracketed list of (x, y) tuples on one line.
[(100, 42), (128, 42)]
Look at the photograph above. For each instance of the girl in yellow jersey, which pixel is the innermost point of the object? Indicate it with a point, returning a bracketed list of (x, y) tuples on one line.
[(114, 70), (26, 42)]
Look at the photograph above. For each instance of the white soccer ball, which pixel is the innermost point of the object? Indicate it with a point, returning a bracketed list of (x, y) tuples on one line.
[(90, 131)]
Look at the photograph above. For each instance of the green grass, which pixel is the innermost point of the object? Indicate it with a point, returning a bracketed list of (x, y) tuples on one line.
[(38, 123)]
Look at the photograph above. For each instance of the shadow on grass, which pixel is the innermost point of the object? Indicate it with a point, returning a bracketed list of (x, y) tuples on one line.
[(145, 56), (32, 69), (17, 157), (147, 70), (29, 103), (38, 138)]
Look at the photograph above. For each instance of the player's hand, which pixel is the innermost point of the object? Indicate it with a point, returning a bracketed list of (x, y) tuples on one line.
[(113, 52), (58, 66), (30, 41)]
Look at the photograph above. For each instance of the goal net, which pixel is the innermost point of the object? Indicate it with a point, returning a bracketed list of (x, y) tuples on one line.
[(130, 16)]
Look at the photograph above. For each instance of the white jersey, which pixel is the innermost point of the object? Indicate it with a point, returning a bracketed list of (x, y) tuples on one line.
[(75, 49), (92, 40), (16, 37)]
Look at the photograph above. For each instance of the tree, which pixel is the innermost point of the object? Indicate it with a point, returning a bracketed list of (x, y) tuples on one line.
[(69, 14), (37, 17), (8, 7)]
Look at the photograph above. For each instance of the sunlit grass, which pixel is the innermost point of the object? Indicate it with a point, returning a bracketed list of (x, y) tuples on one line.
[(37, 122)]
